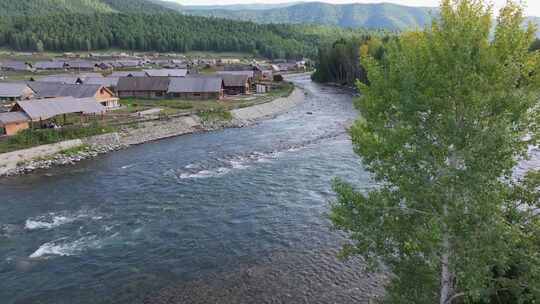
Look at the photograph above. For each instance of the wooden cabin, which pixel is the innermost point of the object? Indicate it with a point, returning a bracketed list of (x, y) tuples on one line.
[(13, 122), (196, 88), (26, 112), (12, 91), (101, 93), (236, 84), (143, 87)]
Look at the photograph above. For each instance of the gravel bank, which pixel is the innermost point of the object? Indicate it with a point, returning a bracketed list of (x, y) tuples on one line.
[(63, 159), (252, 114)]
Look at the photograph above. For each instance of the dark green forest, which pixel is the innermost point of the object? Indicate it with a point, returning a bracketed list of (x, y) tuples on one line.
[(139, 25), (339, 62), (47, 7), (151, 32), (161, 32)]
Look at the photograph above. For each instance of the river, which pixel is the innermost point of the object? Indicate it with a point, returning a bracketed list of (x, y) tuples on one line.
[(235, 216)]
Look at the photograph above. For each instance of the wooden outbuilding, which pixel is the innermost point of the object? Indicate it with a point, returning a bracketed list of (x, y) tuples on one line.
[(101, 93), (13, 122), (49, 65), (236, 84), (128, 74), (196, 88), (39, 110), (166, 72), (17, 66), (250, 74), (25, 112), (109, 82), (81, 65), (143, 87), (13, 91)]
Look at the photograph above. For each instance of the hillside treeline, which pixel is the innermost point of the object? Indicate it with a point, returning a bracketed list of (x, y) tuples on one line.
[(161, 32), (339, 62)]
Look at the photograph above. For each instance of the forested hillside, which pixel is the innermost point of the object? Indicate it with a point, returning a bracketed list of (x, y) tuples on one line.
[(379, 16), (46, 7), (339, 62), (135, 6), (161, 32), (236, 7)]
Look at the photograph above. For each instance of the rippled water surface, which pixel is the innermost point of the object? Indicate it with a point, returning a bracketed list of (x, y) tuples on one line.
[(226, 217)]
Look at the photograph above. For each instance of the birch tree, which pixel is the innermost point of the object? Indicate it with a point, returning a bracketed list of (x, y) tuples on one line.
[(447, 114)]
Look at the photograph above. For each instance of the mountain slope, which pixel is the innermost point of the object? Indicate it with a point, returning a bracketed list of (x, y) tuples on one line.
[(385, 15), (85, 25), (47, 7), (237, 7), (42, 7), (135, 6)]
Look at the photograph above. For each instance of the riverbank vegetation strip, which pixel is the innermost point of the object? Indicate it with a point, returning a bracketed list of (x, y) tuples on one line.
[(207, 111), (35, 137), (447, 114)]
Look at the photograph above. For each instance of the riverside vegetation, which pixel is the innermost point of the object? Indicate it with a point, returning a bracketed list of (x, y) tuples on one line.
[(210, 112), (206, 116), (34, 137), (340, 61), (447, 114)]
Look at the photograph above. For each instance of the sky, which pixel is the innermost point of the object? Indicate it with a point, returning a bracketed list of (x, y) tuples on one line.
[(532, 6)]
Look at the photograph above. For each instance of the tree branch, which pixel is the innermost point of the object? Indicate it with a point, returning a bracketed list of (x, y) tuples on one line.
[(452, 298)]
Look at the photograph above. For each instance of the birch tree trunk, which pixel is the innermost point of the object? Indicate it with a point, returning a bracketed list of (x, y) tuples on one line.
[(446, 274)]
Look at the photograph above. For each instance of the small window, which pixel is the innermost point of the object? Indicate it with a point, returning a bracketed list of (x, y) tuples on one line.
[(159, 94)]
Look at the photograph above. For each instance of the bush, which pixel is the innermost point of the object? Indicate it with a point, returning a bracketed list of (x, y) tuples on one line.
[(215, 115), (175, 104), (35, 137)]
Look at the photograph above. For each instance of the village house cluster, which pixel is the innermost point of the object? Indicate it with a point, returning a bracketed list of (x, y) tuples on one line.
[(94, 86)]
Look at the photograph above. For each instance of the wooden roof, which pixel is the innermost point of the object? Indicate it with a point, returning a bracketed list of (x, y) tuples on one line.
[(135, 84), (40, 109)]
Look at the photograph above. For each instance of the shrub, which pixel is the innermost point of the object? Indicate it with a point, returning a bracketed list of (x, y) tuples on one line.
[(35, 137), (278, 78)]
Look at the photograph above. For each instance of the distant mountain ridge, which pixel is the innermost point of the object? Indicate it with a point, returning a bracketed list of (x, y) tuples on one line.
[(370, 16), (384, 15), (380, 16), (236, 7)]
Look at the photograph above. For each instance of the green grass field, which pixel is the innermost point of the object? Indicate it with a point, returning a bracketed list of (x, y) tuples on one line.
[(35, 137), (175, 106)]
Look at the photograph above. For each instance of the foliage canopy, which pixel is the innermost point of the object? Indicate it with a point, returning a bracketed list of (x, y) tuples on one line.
[(448, 113)]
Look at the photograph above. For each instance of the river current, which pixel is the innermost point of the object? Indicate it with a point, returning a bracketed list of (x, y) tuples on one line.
[(235, 216)]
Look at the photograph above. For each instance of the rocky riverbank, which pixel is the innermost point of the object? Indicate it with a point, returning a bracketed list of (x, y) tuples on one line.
[(61, 154), (64, 158)]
